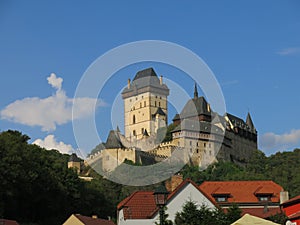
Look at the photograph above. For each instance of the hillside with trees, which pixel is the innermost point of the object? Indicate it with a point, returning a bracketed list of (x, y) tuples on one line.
[(38, 188)]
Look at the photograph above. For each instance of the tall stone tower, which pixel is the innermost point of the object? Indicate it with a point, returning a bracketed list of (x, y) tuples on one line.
[(145, 104)]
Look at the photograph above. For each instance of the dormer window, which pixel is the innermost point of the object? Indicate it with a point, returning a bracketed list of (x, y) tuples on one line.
[(263, 198), (221, 197)]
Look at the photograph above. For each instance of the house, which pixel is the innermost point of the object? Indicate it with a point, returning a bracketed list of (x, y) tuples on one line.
[(8, 222), (292, 210), (140, 208), (77, 219), (257, 198)]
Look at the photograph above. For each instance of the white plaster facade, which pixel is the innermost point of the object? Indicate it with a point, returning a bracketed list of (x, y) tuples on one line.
[(174, 205)]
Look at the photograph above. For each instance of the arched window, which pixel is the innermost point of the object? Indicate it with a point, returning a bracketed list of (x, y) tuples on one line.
[(133, 119)]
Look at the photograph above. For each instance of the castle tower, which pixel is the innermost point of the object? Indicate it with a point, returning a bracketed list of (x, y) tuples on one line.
[(145, 104), (74, 162)]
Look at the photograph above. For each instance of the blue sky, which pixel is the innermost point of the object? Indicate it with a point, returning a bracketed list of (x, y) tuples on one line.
[(252, 47)]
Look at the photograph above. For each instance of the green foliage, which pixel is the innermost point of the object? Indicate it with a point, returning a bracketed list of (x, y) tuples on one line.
[(282, 168), (192, 214), (280, 218), (38, 188)]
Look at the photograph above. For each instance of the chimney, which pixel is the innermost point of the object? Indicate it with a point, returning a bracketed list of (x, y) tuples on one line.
[(94, 216), (128, 84), (284, 196), (161, 80)]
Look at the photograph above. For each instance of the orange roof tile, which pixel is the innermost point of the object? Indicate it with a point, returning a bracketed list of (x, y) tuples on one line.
[(139, 205), (294, 216), (93, 221), (242, 191)]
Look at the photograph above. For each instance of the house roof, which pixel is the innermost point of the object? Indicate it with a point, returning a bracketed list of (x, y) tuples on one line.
[(93, 221), (74, 158), (242, 191), (292, 201), (144, 80), (294, 216), (113, 140), (195, 107), (159, 111), (141, 204), (8, 222)]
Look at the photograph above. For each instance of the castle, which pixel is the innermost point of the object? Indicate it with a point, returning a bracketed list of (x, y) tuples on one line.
[(204, 134)]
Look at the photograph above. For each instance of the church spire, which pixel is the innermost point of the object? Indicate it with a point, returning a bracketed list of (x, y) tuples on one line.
[(195, 91)]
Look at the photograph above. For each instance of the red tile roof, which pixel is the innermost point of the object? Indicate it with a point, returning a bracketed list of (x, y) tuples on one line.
[(8, 222), (294, 216), (141, 204), (242, 191), (260, 212), (294, 200), (93, 221)]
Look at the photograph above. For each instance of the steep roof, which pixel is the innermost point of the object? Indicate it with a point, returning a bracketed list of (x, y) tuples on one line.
[(74, 158), (149, 72), (93, 221), (141, 204), (195, 107), (242, 191), (113, 140), (144, 81), (159, 111), (249, 121)]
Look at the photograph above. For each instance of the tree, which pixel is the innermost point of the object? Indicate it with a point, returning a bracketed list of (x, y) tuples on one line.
[(192, 214)]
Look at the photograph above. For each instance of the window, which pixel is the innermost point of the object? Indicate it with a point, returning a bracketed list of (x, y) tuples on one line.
[(221, 199), (144, 103), (140, 105), (190, 143), (204, 144), (142, 130), (134, 133), (133, 119), (209, 145), (264, 198), (159, 104), (155, 103)]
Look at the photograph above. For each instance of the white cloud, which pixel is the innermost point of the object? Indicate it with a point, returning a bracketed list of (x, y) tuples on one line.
[(55, 82), (50, 143), (279, 142), (289, 51), (51, 111)]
